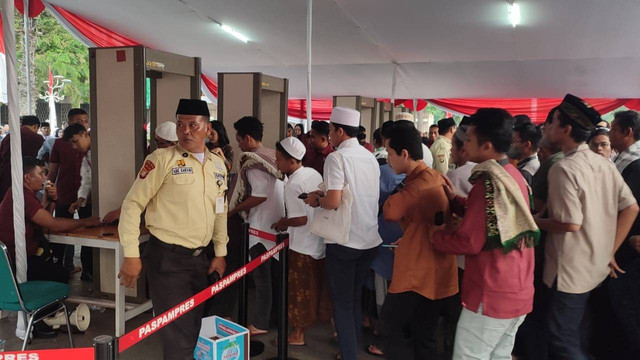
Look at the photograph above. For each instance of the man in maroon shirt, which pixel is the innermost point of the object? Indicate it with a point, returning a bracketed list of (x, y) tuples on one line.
[(41, 265), (65, 172), (31, 143), (497, 287), (318, 146)]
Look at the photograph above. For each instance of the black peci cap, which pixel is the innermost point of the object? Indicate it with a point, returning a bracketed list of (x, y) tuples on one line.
[(192, 107)]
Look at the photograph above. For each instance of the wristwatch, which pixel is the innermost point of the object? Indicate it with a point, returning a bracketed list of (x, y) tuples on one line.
[(318, 201)]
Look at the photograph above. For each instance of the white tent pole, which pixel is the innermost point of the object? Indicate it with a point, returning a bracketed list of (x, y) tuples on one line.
[(16, 141), (26, 55), (309, 33), (393, 89)]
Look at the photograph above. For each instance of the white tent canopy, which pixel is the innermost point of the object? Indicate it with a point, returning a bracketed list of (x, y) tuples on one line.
[(444, 48)]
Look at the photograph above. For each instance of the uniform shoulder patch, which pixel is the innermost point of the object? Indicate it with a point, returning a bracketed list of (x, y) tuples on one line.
[(146, 169)]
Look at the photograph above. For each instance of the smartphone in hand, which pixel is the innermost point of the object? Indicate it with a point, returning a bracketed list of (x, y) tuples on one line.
[(303, 196)]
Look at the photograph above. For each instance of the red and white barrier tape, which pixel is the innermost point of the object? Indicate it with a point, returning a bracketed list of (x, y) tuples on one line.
[(261, 234), (131, 338), (57, 354)]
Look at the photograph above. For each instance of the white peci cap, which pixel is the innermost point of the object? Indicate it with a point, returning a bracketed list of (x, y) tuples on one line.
[(167, 131), (403, 116), (345, 116), (294, 147)]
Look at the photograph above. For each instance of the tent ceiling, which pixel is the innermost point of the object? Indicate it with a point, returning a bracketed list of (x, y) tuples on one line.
[(444, 48)]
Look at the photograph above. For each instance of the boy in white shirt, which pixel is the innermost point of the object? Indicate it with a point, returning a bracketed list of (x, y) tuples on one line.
[(306, 250)]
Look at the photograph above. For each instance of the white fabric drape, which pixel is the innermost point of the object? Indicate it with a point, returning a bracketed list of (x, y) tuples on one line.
[(16, 141)]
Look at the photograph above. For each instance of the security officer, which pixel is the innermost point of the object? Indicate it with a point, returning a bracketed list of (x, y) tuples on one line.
[(182, 189), (441, 148)]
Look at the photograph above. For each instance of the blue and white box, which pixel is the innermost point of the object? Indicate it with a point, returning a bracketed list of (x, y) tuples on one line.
[(222, 339)]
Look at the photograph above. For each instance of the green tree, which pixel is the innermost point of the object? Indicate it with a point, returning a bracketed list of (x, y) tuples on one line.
[(55, 47)]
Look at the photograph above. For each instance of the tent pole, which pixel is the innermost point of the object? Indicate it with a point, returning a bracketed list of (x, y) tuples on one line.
[(27, 55), (309, 33), (393, 90)]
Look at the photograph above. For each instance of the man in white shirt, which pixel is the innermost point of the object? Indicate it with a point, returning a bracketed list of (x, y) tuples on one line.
[(524, 148), (306, 250), (260, 200), (461, 174), (354, 167)]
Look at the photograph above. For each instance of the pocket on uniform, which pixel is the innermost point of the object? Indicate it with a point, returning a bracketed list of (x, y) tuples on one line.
[(183, 179)]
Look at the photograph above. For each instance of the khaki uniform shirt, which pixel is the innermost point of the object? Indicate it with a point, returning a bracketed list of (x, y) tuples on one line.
[(184, 199), (441, 151), (584, 189)]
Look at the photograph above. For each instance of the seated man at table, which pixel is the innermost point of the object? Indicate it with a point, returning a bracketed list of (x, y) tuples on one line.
[(40, 262)]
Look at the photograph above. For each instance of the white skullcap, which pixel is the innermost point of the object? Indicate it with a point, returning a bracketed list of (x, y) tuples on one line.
[(403, 116), (167, 131), (293, 147), (345, 116)]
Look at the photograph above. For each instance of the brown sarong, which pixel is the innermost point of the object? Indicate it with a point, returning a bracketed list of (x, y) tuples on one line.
[(309, 300)]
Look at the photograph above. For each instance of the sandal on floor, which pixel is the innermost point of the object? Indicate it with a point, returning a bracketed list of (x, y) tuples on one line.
[(274, 342), (377, 350)]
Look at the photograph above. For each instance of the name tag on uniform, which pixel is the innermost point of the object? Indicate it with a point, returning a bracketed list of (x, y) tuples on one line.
[(181, 170), (219, 205), (219, 176)]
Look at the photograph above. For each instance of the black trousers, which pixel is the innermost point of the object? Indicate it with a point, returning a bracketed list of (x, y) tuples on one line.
[(45, 269), (173, 278), (410, 322), (65, 252), (224, 304), (347, 270)]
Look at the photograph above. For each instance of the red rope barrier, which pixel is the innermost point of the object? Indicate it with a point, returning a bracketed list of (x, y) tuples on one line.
[(53, 354), (131, 338)]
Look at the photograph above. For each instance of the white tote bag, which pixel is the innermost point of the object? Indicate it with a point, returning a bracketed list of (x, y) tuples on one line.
[(334, 225)]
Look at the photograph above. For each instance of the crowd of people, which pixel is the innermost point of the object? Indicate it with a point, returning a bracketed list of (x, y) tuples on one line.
[(505, 238)]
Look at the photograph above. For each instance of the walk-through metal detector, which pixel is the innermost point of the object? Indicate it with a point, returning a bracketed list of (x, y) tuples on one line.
[(132, 90)]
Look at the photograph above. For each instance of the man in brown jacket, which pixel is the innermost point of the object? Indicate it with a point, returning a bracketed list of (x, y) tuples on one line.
[(423, 278)]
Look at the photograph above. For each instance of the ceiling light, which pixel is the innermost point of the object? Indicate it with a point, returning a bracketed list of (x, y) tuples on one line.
[(235, 34), (514, 14)]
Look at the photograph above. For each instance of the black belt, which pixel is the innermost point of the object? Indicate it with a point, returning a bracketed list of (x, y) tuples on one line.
[(154, 241)]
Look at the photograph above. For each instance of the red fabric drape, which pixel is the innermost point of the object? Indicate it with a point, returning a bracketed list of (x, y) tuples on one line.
[(633, 104), (100, 36), (1, 37), (536, 109), (211, 85), (320, 108), (408, 103), (35, 7)]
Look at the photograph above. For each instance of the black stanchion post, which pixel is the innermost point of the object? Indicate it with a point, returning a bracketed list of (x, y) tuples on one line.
[(283, 306), (256, 347), (105, 348), (244, 294)]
